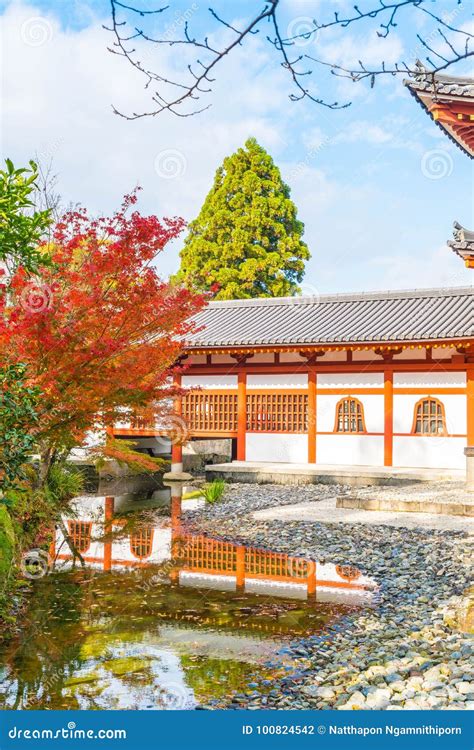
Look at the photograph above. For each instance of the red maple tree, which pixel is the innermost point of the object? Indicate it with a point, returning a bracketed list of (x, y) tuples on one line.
[(98, 329)]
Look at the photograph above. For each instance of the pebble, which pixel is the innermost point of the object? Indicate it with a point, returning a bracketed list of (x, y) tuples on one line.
[(398, 654)]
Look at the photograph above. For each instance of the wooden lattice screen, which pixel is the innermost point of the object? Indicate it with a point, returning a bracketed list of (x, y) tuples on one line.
[(212, 412), (80, 533), (277, 412)]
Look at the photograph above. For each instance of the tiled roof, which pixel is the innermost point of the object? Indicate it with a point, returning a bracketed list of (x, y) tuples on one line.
[(428, 88), (402, 316), (463, 243)]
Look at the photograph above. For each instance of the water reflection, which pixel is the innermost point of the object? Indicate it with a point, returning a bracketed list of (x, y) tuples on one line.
[(161, 617)]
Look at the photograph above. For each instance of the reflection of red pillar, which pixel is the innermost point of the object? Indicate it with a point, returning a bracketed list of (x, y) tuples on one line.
[(311, 579), (108, 516), (240, 569), (52, 547), (177, 448), (176, 496)]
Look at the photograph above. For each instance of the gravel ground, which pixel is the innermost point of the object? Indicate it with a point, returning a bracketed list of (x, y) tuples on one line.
[(439, 492), (402, 654)]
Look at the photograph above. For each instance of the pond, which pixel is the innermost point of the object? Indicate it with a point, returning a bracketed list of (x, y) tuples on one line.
[(158, 617)]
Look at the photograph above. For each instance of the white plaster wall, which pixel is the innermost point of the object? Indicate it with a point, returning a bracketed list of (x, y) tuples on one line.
[(197, 359), (373, 412), (276, 448), (429, 380), (209, 381), (334, 356), (263, 357), (291, 357), (364, 355), (454, 406), (410, 354), (359, 450), (292, 380), (446, 352), (219, 359), (429, 452), (350, 380)]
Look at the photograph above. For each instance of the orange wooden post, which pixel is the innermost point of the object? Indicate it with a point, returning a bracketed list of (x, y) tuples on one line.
[(108, 516), (388, 418), (311, 580), (240, 568), (241, 414), (177, 447), (312, 417)]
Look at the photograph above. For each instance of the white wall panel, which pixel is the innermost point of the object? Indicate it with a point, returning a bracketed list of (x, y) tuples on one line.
[(209, 381), (373, 412), (280, 448), (429, 380), (429, 452), (359, 450), (454, 406), (350, 380), (292, 380)]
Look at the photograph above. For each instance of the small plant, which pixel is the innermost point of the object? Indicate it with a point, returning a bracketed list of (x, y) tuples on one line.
[(214, 491)]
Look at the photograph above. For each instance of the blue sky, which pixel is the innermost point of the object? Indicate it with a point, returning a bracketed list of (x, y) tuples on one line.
[(377, 185)]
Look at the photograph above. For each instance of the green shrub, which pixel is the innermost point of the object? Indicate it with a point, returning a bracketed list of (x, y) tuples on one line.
[(214, 491), (7, 546)]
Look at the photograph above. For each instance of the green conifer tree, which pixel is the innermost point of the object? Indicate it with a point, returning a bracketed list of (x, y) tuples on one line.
[(246, 241)]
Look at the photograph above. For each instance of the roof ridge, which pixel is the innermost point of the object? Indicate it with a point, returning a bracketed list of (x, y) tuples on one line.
[(347, 297)]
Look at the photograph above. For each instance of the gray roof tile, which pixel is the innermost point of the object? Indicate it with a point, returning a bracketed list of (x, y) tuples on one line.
[(404, 316)]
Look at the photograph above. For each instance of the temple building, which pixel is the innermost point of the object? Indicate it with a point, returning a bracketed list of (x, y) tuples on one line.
[(374, 379), (450, 103)]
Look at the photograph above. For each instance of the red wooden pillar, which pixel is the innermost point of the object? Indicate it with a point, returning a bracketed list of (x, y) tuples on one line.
[(388, 418), (312, 417), (108, 516), (52, 548), (177, 447), (241, 414), (176, 498), (240, 569), (311, 580)]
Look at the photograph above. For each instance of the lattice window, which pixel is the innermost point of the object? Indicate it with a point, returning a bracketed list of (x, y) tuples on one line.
[(429, 417), (349, 416), (210, 412), (80, 533), (141, 543), (285, 411)]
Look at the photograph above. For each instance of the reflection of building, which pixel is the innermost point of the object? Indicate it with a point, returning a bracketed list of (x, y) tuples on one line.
[(382, 379), (104, 540)]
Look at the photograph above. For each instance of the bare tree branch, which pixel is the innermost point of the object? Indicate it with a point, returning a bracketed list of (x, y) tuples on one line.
[(448, 42)]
